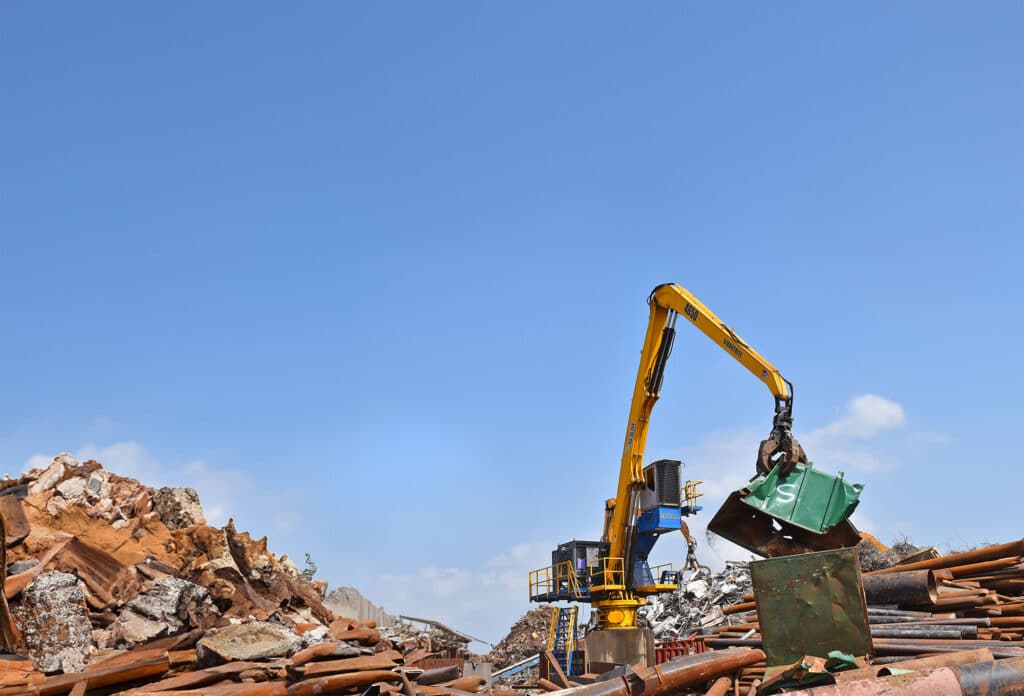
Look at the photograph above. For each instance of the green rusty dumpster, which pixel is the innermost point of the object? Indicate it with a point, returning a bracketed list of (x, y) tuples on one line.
[(781, 515)]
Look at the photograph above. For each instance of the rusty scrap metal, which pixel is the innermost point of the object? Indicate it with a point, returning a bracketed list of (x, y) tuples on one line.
[(985, 678), (437, 675), (720, 687), (10, 636), (963, 657), (673, 676), (988, 553), (907, 587), (932, 683)]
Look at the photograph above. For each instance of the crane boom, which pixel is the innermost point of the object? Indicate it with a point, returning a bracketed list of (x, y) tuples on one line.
[(614, 574), (667, 302)]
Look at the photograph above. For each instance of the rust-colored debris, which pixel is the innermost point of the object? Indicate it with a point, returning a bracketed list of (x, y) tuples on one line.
[(122, 588)]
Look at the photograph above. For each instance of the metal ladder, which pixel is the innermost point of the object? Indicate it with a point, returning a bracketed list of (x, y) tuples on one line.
[(562, 637)]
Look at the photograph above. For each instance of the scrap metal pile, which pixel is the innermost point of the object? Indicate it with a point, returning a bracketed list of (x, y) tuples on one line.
[(942, 625), (698, 604), (527, 637), (965, 600), (112, 585)]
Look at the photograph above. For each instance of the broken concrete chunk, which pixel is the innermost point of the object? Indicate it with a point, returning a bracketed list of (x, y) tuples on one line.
[(54, 623), (134, 628), (256, 640), (178, 507), (53, 474), (98, 485), (173, 601), (72, 488), (317, 635), (56, 505), (21, 566)]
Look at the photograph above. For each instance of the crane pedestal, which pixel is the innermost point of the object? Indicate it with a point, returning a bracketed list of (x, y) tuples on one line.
[(608, 648)]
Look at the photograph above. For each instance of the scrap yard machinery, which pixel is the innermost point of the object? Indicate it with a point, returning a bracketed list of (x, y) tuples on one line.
[(788, 507)]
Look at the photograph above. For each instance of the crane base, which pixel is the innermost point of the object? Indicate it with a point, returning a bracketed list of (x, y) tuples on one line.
[(611, 647)]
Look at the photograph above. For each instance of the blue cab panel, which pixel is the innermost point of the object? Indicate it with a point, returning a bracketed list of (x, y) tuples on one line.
[(663, 518)]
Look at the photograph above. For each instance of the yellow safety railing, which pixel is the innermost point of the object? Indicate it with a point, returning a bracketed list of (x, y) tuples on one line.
[(657, 571), (556, 579), (608, 573), (690, 493)]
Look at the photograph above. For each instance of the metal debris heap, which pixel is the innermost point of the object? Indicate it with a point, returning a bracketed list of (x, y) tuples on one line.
[(697, 605), (527, 637), (111, 585)]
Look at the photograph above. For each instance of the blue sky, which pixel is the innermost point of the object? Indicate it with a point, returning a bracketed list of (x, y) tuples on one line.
[(372, 277)]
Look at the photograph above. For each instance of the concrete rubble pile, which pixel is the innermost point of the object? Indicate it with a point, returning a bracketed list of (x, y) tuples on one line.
[(697, 604), (527, 637), (111, 585)]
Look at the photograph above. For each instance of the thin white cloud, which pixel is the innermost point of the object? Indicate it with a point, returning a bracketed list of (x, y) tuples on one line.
[(845, 443), (866, 416), (482, 600)]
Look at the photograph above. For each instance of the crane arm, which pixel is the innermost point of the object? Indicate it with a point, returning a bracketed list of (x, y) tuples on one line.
[(681, 301), (667, 302)]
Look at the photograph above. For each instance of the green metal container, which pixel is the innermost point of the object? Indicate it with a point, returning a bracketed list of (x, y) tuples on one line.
[(776, 515)]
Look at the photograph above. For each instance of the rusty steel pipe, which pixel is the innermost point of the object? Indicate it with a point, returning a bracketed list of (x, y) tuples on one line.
[(991, 678), (882, 611), (470, 683), (983, 567), (964, 657), (988, 553), (896, 646), (438, 675), (673, 676), (339, 683), (720, 687), (907, 587), (936, 631), (980, 622), (738, 608)]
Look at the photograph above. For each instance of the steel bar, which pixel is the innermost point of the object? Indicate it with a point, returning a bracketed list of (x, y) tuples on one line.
[(981, 622), (881, 611), (914, 648), (720, 687), (915, 632)]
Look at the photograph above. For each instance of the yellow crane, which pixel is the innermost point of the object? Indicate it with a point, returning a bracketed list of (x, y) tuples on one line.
[(613, 575)]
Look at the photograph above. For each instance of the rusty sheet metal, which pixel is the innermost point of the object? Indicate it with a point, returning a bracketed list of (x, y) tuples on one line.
[(10, 636), (811, 604), (759, 532)]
